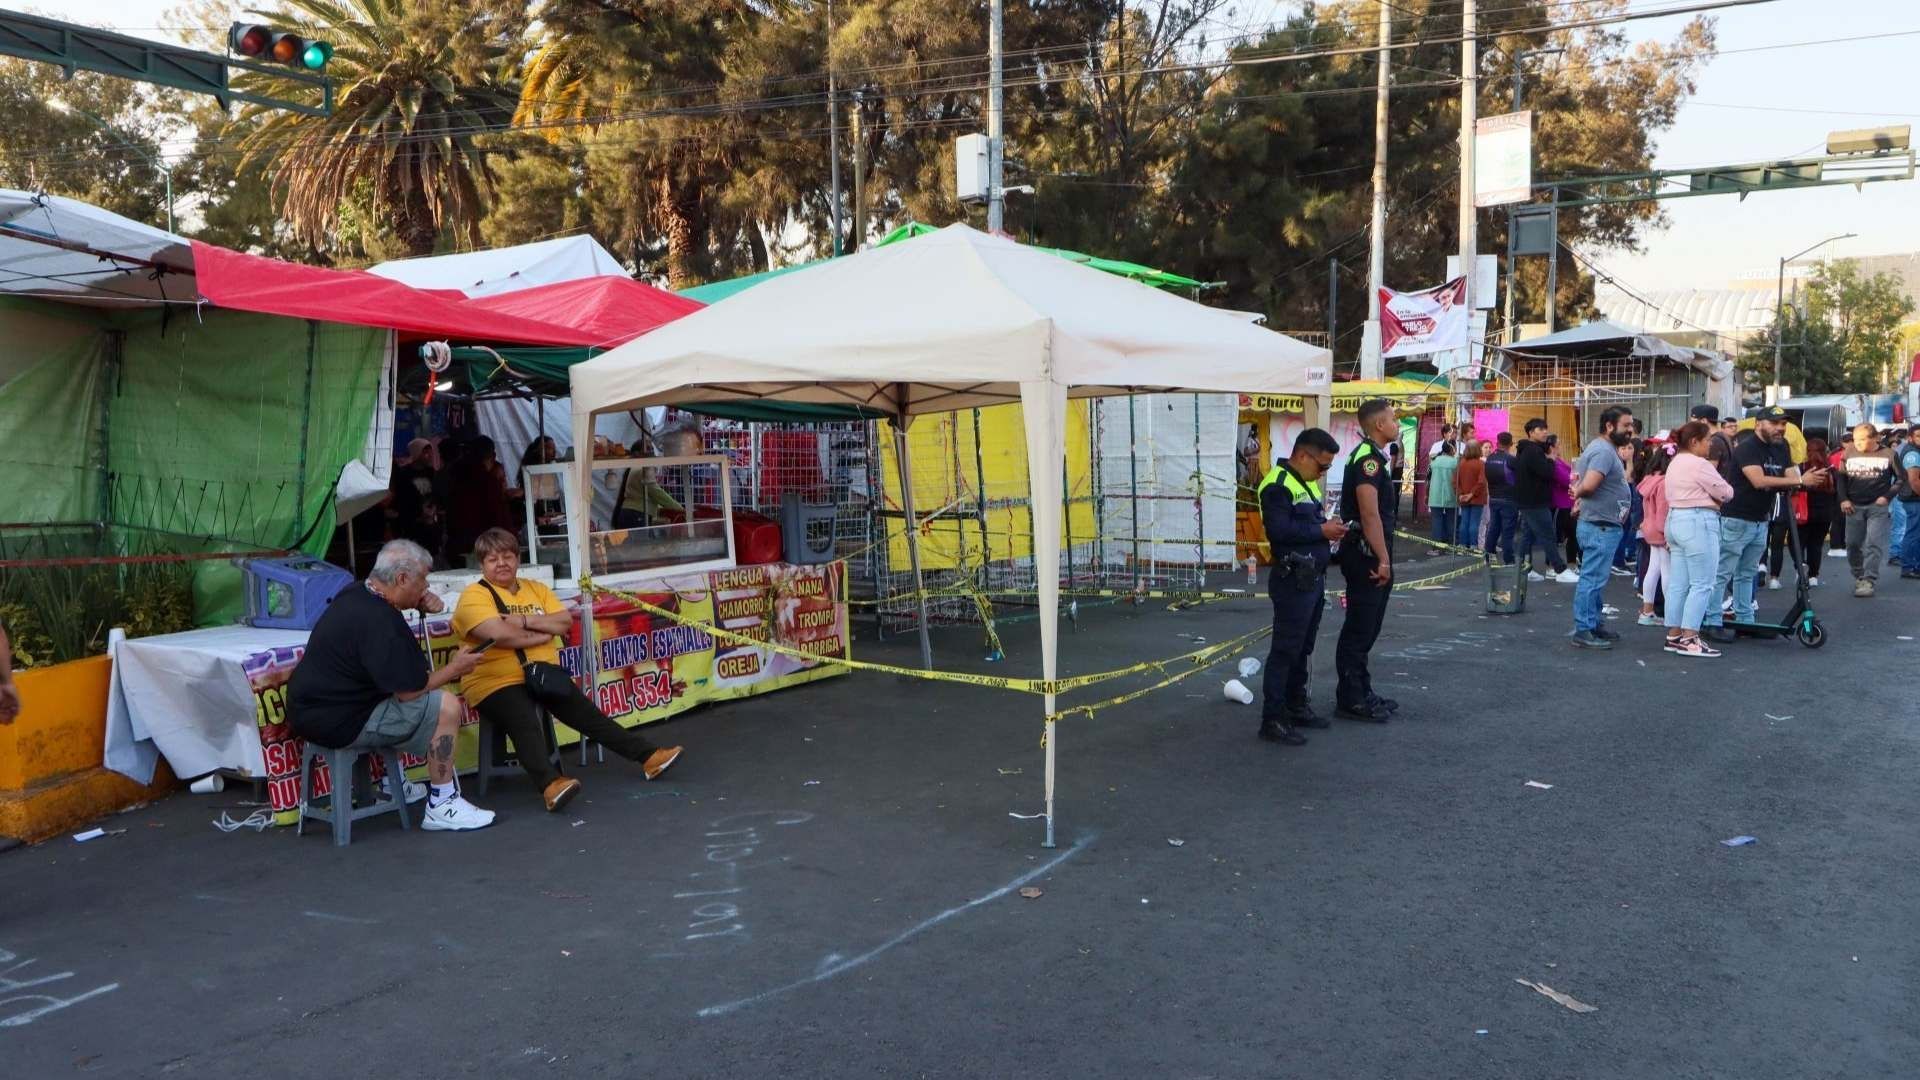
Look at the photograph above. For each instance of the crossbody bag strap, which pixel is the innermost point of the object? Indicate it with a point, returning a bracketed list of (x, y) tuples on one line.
[(520, 654)]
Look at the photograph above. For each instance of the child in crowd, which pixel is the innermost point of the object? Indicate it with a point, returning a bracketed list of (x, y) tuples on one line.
[(1652, 491)]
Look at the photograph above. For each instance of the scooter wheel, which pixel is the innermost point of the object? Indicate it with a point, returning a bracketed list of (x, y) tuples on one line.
[(1812, 635)]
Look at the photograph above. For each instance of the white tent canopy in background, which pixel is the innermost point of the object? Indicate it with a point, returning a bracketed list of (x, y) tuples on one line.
[(508, 269), (953, 320)]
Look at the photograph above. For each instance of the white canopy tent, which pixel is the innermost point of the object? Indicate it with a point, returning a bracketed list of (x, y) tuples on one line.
[(507, 269), (953, 320)]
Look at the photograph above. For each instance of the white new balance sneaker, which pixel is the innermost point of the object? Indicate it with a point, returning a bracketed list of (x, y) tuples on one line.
[(1567, 576), (415, 791), (1531, 576), (456, 815)]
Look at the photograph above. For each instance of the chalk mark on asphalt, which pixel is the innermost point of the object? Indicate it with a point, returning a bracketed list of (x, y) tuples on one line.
[(835, 964)]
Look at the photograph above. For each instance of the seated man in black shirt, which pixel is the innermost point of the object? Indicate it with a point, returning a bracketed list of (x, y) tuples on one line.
[(363, 681)]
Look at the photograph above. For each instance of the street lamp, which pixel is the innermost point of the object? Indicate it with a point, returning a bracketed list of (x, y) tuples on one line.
[(1780, 303), (166, 171)]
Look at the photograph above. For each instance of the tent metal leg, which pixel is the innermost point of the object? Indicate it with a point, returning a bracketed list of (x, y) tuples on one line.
[(902, 462), (1053, 737)]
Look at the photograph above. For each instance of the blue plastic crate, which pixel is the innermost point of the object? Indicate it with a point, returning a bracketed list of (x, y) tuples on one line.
[(291, 593)]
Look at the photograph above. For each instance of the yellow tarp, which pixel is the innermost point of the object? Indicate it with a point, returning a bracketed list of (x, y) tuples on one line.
[(941, 453)]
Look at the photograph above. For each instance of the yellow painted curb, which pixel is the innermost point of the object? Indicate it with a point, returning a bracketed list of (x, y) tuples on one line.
[(52, 807)]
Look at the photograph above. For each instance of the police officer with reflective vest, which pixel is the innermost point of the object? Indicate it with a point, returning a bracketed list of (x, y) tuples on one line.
[(1368, 500), (1299, 534)]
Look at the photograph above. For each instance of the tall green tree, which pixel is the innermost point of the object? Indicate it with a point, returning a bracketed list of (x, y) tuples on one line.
[(90, 138), (1599, 106), (638, 84), (416, 83), (1842, 338)]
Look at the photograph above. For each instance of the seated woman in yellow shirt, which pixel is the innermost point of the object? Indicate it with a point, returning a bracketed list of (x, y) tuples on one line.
[(522, 618)]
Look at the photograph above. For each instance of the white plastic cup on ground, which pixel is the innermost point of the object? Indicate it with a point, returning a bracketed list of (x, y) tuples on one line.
[(1249, 667), (210, 784), (1237, 691)]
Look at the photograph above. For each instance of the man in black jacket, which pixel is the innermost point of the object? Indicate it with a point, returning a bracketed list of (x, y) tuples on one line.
[(1533, 497), (1503, 516)]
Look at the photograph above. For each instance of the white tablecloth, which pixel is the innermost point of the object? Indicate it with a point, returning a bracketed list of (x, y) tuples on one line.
[(186, 696)]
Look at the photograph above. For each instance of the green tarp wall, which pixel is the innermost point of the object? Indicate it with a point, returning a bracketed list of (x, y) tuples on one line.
[(199, 430)]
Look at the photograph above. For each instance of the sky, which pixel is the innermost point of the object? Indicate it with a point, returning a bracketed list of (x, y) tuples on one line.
[(1750, 106)]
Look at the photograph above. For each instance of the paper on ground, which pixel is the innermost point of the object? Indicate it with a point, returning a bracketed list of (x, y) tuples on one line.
[(1570, 1002)]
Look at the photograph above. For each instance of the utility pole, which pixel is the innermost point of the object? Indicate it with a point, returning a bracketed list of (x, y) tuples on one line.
[(1457, 382), (858, 237), (1780, 303), (1333, 302), (1371, 365), (996, 149), (1469, 114), (833, 131)]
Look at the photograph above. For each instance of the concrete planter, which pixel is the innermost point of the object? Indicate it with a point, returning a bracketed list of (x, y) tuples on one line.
[(51, 776)]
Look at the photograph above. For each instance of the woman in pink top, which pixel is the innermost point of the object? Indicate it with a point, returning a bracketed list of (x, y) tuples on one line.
[(1693, 492), (1653, 529)]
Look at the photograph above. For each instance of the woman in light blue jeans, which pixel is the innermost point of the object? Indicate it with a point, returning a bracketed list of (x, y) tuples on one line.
[(1693, 556), (1694, 493)]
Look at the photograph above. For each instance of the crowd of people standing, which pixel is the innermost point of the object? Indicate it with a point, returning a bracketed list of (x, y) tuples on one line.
[(1702, 517)]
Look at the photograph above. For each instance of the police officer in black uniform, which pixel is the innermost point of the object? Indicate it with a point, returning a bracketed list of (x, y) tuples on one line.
[(1294, 513), (1368, 500)]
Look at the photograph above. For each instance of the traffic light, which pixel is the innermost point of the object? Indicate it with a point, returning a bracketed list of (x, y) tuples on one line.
[(264, 43)]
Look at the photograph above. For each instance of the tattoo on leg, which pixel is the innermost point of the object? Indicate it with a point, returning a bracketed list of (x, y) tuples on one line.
[(442, 749)]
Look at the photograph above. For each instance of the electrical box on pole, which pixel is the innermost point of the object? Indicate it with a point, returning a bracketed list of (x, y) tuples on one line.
[(970, 180)]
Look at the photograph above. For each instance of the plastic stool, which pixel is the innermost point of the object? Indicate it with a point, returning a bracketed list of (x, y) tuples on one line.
[(494, 759), (343, 769)]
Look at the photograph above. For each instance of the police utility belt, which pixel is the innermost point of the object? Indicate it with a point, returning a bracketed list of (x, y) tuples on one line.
[(1300, 567)]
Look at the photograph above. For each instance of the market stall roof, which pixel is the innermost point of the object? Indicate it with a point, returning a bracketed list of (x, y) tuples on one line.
[(255, 283), (614, 310), (953, 320), (1601, 338), (714, 292), (507, 269), (67, 250)]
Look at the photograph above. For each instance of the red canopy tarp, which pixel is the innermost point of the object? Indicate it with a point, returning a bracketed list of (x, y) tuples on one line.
[(231, 279), (613, 309)]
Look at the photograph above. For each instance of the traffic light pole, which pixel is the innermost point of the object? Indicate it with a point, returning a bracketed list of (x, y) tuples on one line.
[(73, 48)]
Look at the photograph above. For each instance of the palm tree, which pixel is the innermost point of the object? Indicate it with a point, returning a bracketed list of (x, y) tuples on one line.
[(639, 78), (414, 83)]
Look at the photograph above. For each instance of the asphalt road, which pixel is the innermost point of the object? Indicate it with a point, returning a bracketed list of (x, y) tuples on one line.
[(1359, 907)]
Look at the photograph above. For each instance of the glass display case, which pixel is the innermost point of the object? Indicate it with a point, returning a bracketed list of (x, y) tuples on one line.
[(645, 517)]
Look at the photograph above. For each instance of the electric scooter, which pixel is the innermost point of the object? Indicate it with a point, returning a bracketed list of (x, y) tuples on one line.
[(1800, 622)]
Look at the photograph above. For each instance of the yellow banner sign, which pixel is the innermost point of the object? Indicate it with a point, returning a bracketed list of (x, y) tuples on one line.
[(1342, 403)]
